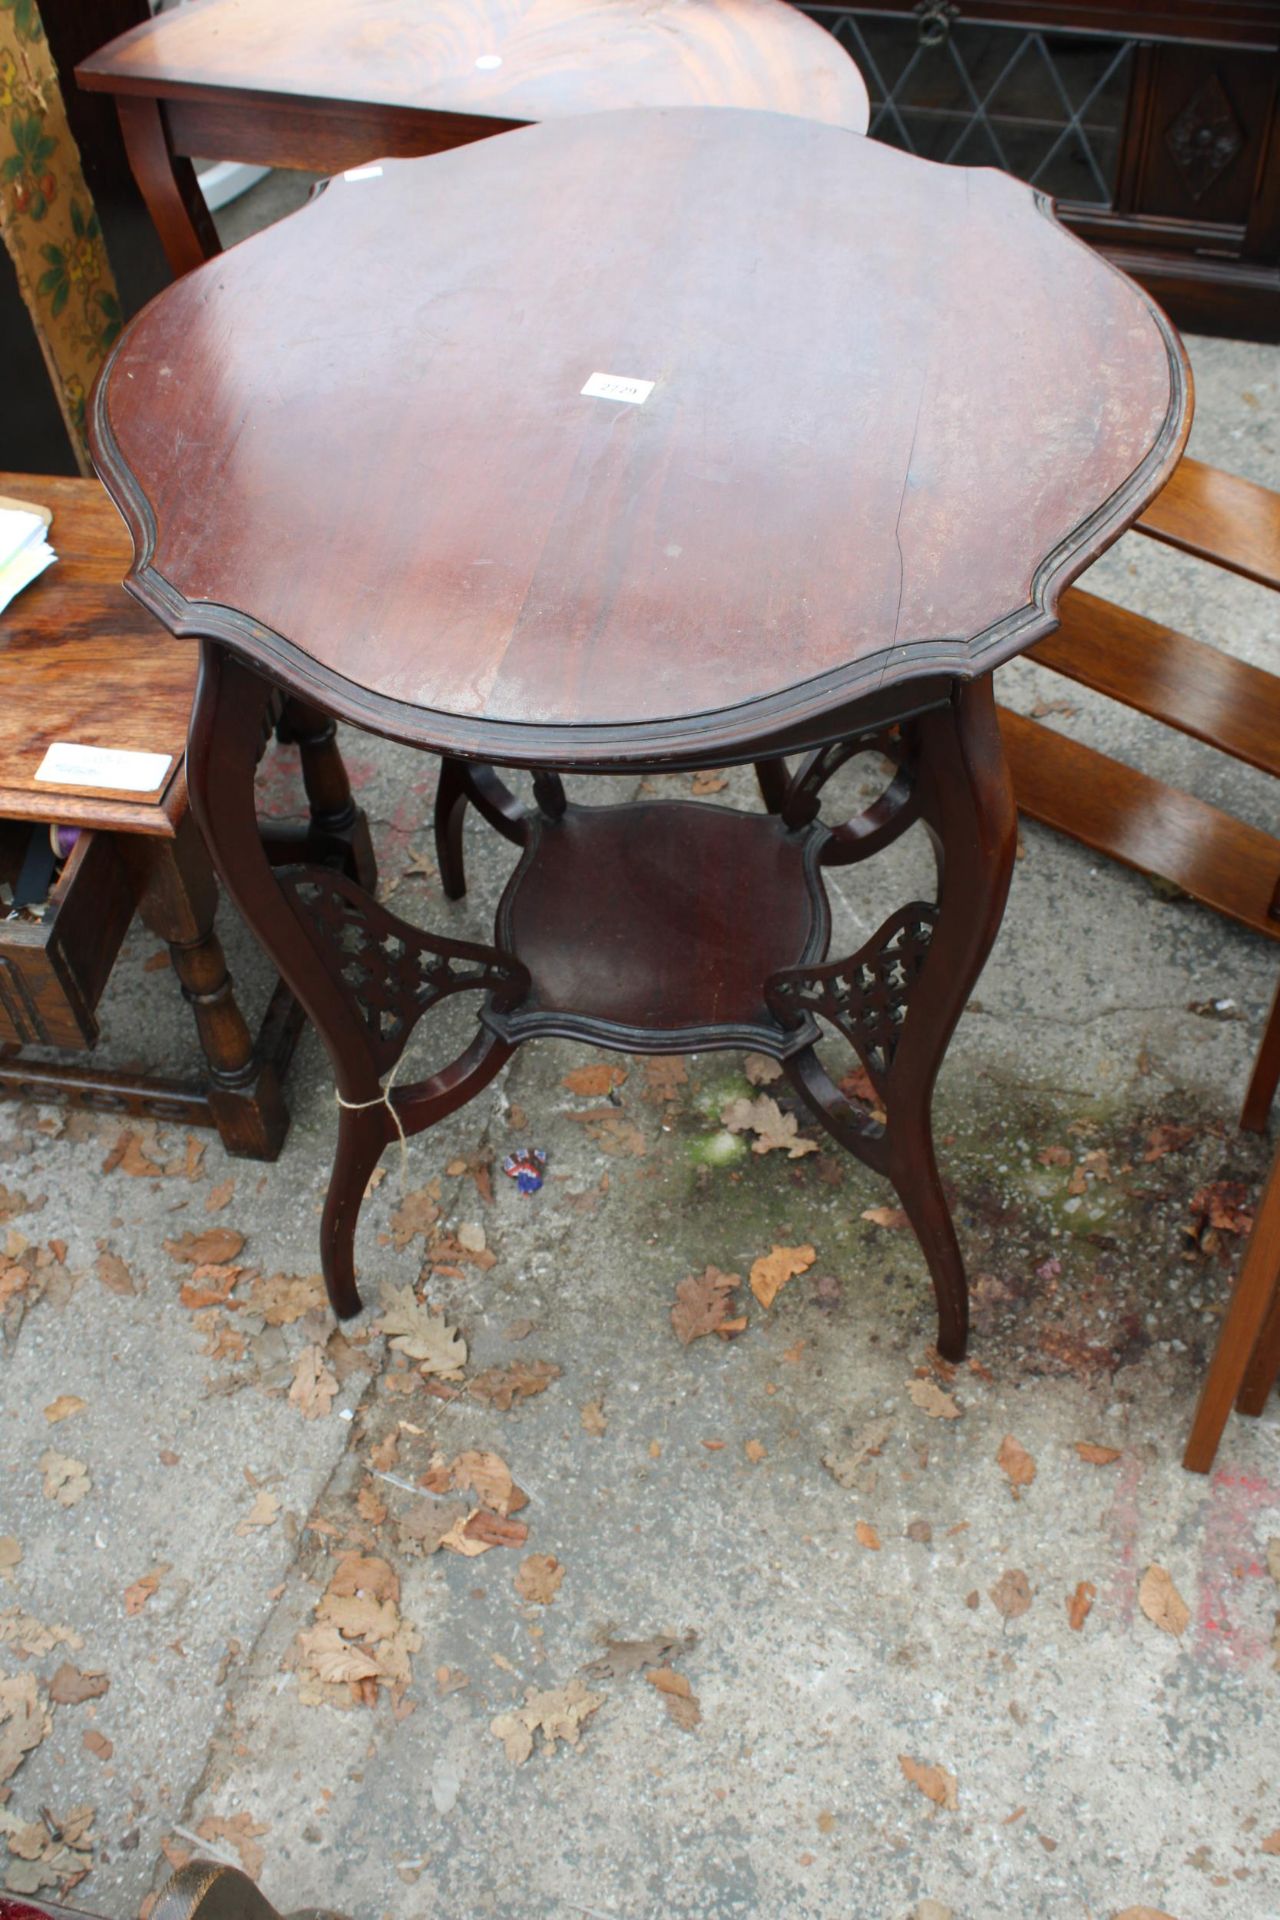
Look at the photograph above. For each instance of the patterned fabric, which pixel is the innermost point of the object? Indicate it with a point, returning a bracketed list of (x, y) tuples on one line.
[(48, 220)]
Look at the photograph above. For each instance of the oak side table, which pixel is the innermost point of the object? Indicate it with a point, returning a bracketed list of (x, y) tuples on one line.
[(674, 439), (335, 83)]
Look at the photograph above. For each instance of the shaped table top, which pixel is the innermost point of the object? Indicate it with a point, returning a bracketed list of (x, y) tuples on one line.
[(510, 60), (894, 409)]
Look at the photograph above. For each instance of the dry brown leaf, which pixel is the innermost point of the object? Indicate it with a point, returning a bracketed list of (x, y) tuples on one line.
[(242, 1830), (678, 1696), (773, 1128), (314, 1384), (771, 1272), (611, 1131), (1011, 1594), (557, 1712), (1163, 1605), (1273, 1559), (97, 1743), (930, 1399), (892, 1217), (594, 1082), (421, 1335), (867, 1536), (69, 1686), (1016, 1464), (488, 1476), (935, 1783), (760, 1070), (704, 1304), (63, 1407), (137, 1595), (664, 1075), (622, 1657), (286, 1297), (10, 1554), (1080, 1604), (212, 1248), (1167, 1139), (65, 1480), (755, 1451), (114, 1275), (1142, 1913), (264, 1512), (1096, 1456), (417, 1213), (846, 1469), (24, 1722), (220, 1196), (538, 1578), (593, 1419), (501, 1386)]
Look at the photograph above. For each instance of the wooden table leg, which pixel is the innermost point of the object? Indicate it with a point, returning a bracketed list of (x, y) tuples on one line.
[(1266, 1073), (898, 999), (1247, 1355), (338, 826), (364, 976), (178, 899), (168, 184)]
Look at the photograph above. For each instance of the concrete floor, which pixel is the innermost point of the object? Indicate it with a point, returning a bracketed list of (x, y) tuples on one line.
[(836, 1630)]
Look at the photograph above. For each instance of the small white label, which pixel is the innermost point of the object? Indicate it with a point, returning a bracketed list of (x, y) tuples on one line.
[(489, 62), (363, 173), (616, 386), (67, 765)]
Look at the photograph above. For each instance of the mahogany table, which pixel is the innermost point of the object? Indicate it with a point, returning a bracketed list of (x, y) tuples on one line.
[(392, 466), (334, 83)]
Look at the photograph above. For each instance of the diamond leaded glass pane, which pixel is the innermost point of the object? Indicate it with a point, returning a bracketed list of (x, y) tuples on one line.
[(1048, 107)]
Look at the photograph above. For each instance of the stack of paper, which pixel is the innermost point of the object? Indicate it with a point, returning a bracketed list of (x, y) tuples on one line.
[(24, 550)]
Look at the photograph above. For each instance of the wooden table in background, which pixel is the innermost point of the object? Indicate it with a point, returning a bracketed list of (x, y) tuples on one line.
[(335, 83), (894, 410)]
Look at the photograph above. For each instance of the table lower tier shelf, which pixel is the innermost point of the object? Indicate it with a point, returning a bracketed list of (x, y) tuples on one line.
[(652, 927)]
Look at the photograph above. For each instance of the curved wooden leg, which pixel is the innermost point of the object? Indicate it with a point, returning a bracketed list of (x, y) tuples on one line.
[(898, 999), (1266, 1074), (1245, 1360), (168, 184), (773, 780), (364, 977), (450, 816)]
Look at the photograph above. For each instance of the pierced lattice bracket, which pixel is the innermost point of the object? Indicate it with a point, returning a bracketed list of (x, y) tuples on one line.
[(390, 972), (865, 997)]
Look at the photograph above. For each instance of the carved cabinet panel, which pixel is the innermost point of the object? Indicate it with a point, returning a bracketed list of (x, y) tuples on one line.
[(1155, 127)]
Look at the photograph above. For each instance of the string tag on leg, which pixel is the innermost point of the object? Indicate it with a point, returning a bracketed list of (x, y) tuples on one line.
[(384, 1100)]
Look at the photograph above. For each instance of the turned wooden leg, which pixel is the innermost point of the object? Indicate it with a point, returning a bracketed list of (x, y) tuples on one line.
[(178, 900), (1266, 1074), (364, 977), (897, 1000), (168, 185), (450, 818), (1247, 1356), (339, 828)]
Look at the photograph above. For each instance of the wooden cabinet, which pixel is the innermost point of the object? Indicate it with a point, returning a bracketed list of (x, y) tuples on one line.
[(1154, 125)]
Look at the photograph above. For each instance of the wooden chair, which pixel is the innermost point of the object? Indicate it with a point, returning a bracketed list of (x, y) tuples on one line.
[(80, 661), (1218, 860)]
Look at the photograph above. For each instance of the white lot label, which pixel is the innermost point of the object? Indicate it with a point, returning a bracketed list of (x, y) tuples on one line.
[(66, 765), (363, 173), (616, 386)]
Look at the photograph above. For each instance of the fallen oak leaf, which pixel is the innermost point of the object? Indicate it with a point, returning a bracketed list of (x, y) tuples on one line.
[(242, 1831), (594, 1082), (421, 1335), (678, 1696), (774, 1129), (1095, 1456), (538, 1578), (867, 1536), (417, 1213), (1011, 1594), (69, 1686), (314, 1384), (137, 1595), (622, 1657), (63, 1407), (1016, 1464), (935, 1783), (771, 1272), (1163, 1605), (846, 1468), (212, 1248), (24, 1722), (114, 1274), (65, 1480), (501, 1386), (892, 1217), (930, 1398), (761, 1070), (264, 1512), (704, 1304), (558, 1713)]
